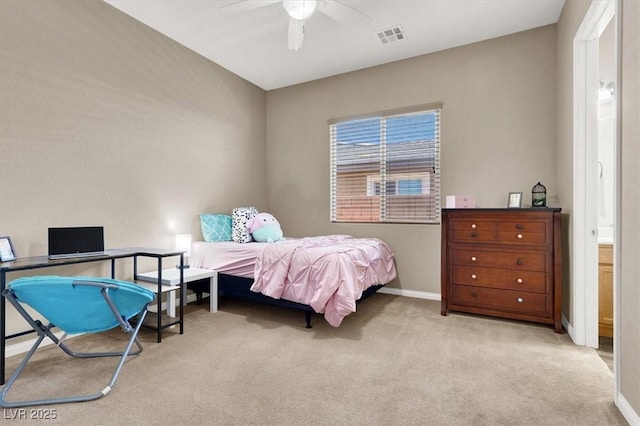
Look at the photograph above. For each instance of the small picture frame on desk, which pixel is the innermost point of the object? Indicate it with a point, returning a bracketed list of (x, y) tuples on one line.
[(7, 253), (515, 200)]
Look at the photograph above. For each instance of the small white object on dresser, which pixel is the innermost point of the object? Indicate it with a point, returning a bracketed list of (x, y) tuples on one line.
[(171, 280), (461, 202)]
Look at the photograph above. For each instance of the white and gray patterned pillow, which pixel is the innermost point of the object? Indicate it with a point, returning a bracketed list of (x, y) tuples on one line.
[(241, 216)]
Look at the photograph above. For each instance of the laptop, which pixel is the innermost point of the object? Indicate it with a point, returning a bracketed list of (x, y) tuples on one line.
[(78, 241)]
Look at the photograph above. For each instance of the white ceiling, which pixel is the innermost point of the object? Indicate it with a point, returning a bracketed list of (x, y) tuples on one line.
[(253, 43)]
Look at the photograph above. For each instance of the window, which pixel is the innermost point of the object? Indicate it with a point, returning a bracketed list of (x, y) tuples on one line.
[(386, 168)]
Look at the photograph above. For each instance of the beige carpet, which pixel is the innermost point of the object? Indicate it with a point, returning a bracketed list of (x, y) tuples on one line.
[(396, 361), (605, 351)]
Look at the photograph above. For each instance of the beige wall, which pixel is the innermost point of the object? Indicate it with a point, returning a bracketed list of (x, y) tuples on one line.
[(629, 296), (106, 122), (498, 135), (568, 24)]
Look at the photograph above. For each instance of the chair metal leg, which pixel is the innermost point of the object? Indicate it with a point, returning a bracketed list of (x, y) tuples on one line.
[(45, 331), (16, 373), (134, 339)]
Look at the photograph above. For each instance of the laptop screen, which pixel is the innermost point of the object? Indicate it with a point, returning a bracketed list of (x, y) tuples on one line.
[(76, 241)]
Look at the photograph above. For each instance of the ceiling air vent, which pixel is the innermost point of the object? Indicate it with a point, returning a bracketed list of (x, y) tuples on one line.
[(391, 34)]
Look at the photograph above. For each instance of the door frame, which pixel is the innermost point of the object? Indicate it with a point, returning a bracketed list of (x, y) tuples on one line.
[(584, 298)]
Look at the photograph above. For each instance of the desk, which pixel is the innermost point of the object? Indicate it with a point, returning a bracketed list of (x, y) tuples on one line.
[(40, 262)]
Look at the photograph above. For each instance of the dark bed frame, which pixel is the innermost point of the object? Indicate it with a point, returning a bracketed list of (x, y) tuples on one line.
[(239, 288)]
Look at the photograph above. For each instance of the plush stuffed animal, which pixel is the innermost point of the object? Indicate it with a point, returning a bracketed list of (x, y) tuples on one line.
[(264, 228)]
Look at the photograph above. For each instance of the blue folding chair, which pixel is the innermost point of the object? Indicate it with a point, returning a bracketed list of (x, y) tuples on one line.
[(77, 305)]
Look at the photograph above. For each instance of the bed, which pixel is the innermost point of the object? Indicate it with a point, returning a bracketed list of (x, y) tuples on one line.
[(327, 275)]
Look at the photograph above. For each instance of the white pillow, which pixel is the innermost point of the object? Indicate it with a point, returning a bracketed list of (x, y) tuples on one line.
[(241, 216)]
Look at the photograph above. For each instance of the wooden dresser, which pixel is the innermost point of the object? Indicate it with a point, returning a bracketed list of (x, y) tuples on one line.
[(504, 263)]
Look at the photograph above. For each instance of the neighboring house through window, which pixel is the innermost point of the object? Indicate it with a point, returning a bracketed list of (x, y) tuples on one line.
[(396, 150)]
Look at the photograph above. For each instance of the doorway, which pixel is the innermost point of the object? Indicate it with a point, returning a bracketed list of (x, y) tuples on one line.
[(590, 211), (606, 120)]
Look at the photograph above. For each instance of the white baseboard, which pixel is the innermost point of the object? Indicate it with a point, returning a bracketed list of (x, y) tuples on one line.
[(569, 328), (627, 411), (410, 293), (24, 346)]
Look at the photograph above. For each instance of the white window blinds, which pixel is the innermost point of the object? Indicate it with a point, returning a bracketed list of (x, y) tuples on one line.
[(386, 167)]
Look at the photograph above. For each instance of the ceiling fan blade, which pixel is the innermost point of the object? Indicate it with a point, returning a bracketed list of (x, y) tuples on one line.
[(296, 34), (244, 5), (343, 13)]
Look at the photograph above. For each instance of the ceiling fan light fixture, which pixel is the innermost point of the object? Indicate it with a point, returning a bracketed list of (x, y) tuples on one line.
[(300, 9)]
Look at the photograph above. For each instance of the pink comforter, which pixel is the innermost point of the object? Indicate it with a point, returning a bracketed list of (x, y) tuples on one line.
[(328, 273)]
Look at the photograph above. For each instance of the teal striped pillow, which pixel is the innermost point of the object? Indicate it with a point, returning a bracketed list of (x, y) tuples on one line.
[(216, 227)]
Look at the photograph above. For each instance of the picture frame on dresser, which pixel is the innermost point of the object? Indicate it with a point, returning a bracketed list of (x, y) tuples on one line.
[(515, 200), (7, 253)]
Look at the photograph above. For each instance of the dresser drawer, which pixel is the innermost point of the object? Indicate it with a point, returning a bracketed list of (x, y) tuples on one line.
[(522, 226), (505, 300), (473, 225), (522, 232), (473, 230), (521, 237), (499, 259), (499, 278), (479, 236)]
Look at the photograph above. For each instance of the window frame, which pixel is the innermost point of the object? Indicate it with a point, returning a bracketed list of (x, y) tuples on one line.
[(430, 181)]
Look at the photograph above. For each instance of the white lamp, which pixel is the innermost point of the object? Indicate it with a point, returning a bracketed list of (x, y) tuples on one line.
[(183, 243), (300, 9)]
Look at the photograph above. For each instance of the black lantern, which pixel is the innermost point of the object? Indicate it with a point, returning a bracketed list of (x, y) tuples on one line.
[(538, 195)]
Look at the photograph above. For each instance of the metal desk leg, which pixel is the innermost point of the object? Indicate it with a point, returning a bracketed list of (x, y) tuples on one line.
[(159, 339), (183, 293), (3, 329)]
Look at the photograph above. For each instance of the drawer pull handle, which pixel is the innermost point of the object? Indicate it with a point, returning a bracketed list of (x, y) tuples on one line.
[(474, 276), (473, 294), (519, 261), (520, 236), (520, 300), (473, 226), (519, 280), (473, 258), (474, 234), (519, 226)]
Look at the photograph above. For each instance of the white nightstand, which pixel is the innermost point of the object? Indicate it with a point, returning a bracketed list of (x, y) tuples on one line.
[(171, 284)]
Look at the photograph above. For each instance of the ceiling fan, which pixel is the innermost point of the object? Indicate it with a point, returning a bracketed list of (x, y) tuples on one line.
[(301, 10)]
